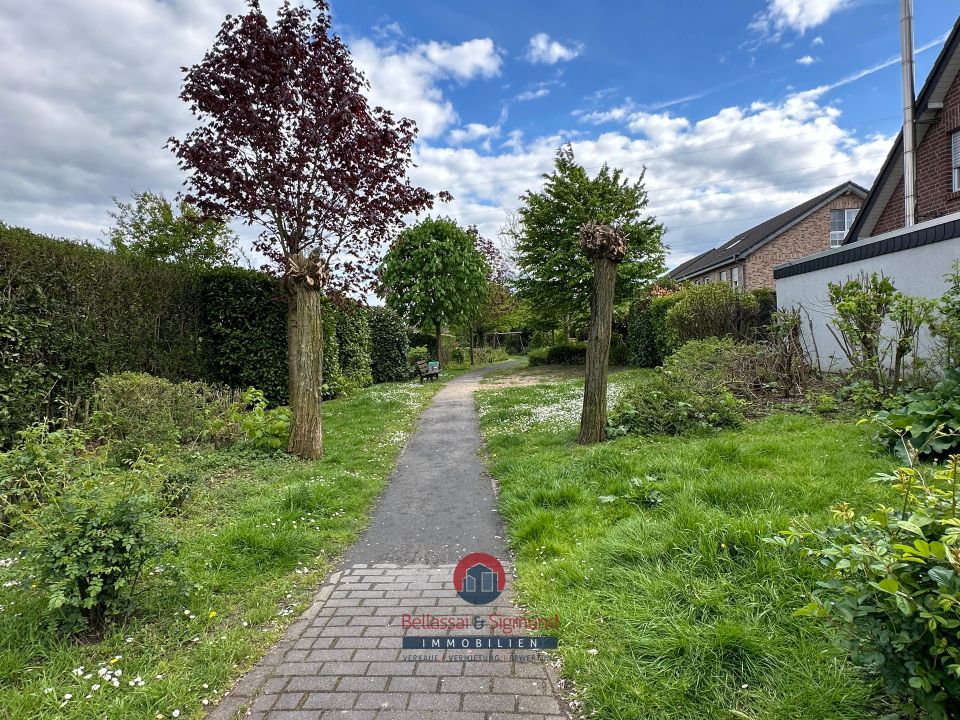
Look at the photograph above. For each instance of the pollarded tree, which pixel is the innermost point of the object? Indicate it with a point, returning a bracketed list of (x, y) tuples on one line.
[(555, 275), (434, 274), (286, 140)]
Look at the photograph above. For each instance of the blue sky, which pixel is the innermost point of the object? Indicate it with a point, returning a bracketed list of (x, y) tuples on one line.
[(738, 109)]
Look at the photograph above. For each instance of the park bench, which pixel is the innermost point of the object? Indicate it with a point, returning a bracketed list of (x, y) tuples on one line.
[(427, 370)]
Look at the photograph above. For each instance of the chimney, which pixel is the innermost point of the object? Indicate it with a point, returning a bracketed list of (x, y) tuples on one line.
[(909, 141)]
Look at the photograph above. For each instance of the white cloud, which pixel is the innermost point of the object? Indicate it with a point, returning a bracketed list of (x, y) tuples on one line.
[(818, 40), (472, 132), (408, 80), (544, 50), (796, 15), (86, 107), (806, 60), (532, 94), (709, 178)]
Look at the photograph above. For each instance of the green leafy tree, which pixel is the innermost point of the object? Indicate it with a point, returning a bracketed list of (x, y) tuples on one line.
[(555, 275), (150, 227), (434, 275)]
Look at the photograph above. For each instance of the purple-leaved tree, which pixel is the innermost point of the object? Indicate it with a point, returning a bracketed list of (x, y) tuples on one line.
[(286, 140)]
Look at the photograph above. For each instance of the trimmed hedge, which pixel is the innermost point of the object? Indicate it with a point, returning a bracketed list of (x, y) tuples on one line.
[(353, 344), (565, 354), (244, 331), (71, 312), (389, 345)]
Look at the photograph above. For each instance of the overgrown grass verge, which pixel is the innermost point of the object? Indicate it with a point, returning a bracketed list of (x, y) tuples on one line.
[(257, 533), (651, 551)]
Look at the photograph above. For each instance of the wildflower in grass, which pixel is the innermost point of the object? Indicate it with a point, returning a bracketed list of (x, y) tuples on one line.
[(212, 614), (175, 713)]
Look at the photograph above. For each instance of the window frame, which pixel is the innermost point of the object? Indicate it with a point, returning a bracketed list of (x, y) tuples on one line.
[(955, 160)]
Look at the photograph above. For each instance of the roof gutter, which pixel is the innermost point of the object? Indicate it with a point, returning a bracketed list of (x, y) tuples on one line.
[(909, 139)]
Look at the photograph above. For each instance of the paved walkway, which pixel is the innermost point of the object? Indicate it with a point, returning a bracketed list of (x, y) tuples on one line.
[(343, 659)]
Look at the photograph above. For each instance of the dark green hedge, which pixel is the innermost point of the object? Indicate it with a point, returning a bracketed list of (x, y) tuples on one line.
[(574, 353), (70, 312), (244, 336), (353, 343), (389, 345)]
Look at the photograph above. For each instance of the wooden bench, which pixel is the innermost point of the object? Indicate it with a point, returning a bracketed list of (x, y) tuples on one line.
[(428, 371)]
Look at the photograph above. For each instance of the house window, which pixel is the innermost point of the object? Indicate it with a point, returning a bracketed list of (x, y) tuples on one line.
[(735, 278), (840, 222), (723, 276), (955, 152)]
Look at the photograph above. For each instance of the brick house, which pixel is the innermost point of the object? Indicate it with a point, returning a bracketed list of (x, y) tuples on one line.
[(746, 261), (915, 258), (937, 113)]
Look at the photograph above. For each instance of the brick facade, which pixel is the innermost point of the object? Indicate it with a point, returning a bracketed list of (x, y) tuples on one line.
[(935, 196), (810, 235)]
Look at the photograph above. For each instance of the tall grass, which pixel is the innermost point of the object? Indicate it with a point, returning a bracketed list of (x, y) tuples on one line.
[(257, 533), (651, 551)]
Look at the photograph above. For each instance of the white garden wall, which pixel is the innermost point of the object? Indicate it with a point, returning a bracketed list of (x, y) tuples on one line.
[(917, 270)]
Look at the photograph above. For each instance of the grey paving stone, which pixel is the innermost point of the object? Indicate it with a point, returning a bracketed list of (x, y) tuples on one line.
[(343, 659)]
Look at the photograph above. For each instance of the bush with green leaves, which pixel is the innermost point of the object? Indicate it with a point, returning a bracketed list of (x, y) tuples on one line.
[(251, 419), (420, 353), (751, 371), (244, 331), (947, 323), (389, 345), (573, 353), (39, 465), (892, 590), (668, 403), (91, 546), (714, 310), (863, 306), (537, 356), (137, 411), (929, 420), (649, 339)]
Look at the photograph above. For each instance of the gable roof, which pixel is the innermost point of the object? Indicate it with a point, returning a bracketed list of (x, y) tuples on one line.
[(756, 237), (935, 88)]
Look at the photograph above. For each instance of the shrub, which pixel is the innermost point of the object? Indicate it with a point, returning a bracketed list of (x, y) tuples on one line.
[(574, 353), (713, 310), (893, 591), (72, 312), (537, 356), (649, 340), (250, 418), (862, 306), (749, 370), (90, 548), (668, 404), (417, 354), (136, 411), (490, 355), (353, 346), (928, 420), (389, 345), (947, 324), (39, 466)]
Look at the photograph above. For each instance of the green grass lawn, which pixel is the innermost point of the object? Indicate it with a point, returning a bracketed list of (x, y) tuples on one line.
[(258, 533), (651, 551)]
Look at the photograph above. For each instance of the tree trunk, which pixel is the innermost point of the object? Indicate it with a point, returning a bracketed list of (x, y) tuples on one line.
[(291, 346), (593, 419), (306, 363), (439, 340), (471, 345)]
